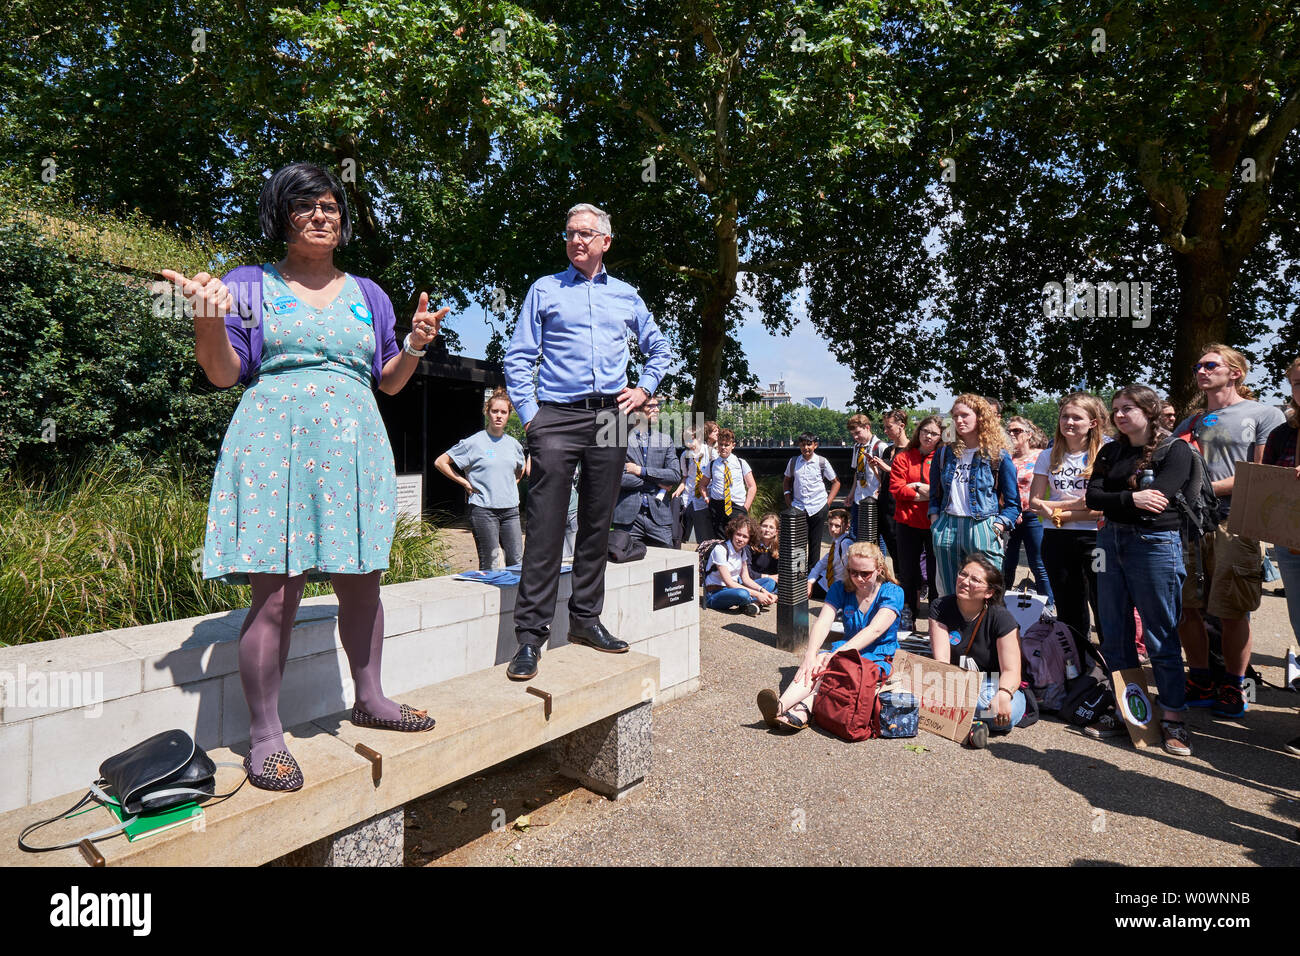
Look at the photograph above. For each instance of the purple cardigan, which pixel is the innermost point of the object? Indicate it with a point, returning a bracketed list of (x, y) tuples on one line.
[(244, 322)]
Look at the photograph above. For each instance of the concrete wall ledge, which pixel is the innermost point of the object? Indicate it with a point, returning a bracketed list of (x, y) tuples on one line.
[(65, 705)]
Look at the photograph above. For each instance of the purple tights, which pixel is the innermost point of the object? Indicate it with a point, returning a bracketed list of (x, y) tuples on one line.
[(264, 649)]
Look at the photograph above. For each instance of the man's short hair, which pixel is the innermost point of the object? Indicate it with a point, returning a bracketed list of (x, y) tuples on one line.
[(602, 217), (726, 435), (860, 420), (838, 513), (807, 437)]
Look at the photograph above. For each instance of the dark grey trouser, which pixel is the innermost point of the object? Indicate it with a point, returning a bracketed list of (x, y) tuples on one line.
[(559, 438), (492, 526)]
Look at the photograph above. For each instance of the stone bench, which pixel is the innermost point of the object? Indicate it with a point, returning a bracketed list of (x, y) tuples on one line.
[(67, 704), (350, 810)]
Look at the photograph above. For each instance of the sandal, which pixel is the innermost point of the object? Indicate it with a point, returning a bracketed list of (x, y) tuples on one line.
[(769, 705), (280, 772), (793, 720), (411, 721)]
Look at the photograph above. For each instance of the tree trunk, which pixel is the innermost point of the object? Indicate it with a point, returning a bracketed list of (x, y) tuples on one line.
[(1204, 280), (713, 317)]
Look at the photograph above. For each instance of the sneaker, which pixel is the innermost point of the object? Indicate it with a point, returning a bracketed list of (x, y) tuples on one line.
[(751, 610), (1292, 746), (978, 738), (1229, 701), (1108, 725), (1199, 695), (1175, 738)]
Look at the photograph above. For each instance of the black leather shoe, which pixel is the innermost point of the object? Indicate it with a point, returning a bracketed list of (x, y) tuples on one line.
[(523, 666), (595, 635)]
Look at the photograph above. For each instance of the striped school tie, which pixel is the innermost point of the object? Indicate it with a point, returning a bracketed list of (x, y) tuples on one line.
[(699, 480), (861, 466), (726, 489)]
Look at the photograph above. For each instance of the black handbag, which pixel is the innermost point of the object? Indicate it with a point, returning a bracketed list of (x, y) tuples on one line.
[(157, 774), (1088, 696)]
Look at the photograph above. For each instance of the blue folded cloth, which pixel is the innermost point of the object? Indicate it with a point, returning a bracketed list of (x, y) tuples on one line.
[(507, 577)]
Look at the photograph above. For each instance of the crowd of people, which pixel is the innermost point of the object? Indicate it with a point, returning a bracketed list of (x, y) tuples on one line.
[(1105, 510), (305, 488)]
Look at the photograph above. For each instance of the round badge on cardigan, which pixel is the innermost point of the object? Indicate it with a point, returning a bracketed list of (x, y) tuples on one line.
[(361, 312)]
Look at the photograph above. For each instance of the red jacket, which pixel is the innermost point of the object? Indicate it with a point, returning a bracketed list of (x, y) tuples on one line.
[(907, 468)]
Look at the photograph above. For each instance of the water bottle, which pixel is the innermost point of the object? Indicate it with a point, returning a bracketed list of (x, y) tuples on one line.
[(1148, 478)]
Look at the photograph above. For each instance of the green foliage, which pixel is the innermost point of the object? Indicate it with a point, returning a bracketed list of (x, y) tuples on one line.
[(87, 364), (114, 544)]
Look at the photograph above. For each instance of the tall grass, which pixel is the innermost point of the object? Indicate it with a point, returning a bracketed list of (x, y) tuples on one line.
[(116, 543)]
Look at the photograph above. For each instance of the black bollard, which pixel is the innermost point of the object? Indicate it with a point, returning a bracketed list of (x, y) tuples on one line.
[(869, 520), (792, 583)]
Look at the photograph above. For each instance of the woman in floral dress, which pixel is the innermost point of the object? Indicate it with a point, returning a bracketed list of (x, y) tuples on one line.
[(305, 486)]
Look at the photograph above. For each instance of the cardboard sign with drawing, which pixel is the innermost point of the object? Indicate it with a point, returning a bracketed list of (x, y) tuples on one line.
[(948, 695), (1266, 504)]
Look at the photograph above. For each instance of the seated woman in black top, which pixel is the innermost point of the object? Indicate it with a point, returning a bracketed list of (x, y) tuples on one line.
[(972, 628), (765, 554)]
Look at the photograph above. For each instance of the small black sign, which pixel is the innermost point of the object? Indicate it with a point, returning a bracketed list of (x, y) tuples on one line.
[(674, 586)]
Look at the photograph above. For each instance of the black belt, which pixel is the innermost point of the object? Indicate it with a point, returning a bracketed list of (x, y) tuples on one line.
[(591, 403)]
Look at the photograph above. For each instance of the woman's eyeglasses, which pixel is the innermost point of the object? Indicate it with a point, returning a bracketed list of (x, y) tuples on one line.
[(305, 209), (854, 573), (1013, 432)]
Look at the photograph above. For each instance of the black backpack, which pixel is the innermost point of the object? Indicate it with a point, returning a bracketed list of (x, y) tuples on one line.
[(1196, 503)]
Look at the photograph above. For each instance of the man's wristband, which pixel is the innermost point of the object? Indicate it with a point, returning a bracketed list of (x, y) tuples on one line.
[(1009, 693)]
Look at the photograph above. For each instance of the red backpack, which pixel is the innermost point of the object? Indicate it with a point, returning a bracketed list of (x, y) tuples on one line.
[(846, 704)]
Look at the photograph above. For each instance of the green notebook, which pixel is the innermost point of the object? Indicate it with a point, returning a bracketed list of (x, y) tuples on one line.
[(148, 824)]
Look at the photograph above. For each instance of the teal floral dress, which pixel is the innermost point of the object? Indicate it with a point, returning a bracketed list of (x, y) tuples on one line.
[(305, 483)]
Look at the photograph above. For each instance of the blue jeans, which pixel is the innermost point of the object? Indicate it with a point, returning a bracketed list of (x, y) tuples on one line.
[(1030, 532), (1143, 569), (988, 688), (492, 526), (729, 598), (1289, 566)]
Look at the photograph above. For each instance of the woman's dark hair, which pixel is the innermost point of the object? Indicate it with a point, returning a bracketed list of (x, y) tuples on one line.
[(1152, 405), (992, 575), (934, 420), (299, 181)]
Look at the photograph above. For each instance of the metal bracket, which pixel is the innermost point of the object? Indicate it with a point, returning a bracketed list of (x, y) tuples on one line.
[(376, 761), (91, 853), (546, 700)]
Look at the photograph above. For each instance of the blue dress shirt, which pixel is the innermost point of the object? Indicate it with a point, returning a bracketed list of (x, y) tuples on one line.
[(579, 327)]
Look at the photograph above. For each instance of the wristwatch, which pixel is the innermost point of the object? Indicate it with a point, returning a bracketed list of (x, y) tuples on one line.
[(406, 347)]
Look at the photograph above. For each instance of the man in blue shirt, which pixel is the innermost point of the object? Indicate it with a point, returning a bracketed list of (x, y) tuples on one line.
[(651, 472), (577, 323)]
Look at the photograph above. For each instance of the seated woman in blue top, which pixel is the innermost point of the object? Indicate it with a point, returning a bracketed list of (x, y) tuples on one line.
[(729, 584), (872, 603)]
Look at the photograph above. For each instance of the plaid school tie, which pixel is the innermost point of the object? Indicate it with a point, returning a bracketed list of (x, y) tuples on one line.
[(726, 489)]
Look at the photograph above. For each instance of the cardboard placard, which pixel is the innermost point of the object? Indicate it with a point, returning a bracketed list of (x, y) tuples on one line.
[(1266, 504), (948, 695), (1133, 702)]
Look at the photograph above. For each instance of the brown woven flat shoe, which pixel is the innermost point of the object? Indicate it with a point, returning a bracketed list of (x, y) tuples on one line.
[(280, 772), (412, 721)]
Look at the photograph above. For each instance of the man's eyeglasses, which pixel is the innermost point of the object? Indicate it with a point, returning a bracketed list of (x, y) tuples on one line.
[(585, 235), (305, 209), (1208, 366)]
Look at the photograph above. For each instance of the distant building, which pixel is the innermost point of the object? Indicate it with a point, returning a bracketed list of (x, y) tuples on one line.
[(774, 395), (816, 401)]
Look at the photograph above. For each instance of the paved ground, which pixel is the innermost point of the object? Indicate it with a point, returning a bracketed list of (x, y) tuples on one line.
[(726, 790)]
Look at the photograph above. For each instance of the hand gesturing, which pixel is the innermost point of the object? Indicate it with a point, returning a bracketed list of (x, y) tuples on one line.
[(425, 325), (206, 295)]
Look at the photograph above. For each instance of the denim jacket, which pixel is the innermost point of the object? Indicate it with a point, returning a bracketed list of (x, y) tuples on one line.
[(983, 499)]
